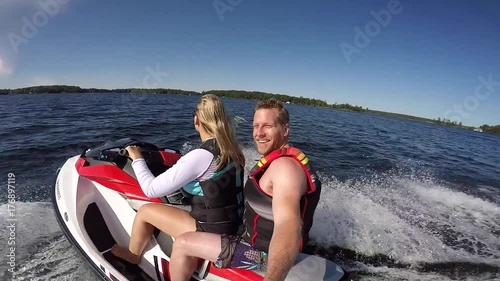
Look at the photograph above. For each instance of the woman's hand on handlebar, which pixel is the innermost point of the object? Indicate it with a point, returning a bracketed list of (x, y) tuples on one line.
[(134, 152)]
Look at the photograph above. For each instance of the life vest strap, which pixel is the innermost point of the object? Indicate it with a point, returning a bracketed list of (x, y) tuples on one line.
[(292, 152)]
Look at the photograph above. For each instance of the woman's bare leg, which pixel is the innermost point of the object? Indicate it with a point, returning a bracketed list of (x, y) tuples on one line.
[(170, 220), (190, 246)]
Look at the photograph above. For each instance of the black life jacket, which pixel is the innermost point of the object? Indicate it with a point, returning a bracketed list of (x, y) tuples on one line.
[(258, 216), (220, 209)]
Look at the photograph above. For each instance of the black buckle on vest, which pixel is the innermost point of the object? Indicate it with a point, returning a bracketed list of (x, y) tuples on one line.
[(177, 198)]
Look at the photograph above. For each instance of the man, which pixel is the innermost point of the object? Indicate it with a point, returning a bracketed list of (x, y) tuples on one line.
[(281, 195)]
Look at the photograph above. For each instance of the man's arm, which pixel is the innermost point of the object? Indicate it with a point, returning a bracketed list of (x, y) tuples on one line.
[(289, 183)]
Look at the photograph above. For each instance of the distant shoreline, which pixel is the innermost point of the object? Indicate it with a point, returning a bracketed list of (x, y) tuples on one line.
[(64, 89)]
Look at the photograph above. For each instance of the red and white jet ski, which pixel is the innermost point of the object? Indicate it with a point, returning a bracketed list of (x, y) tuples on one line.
[(95, 198)]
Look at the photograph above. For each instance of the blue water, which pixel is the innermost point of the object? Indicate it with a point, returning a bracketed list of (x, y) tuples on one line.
[(403, 200)]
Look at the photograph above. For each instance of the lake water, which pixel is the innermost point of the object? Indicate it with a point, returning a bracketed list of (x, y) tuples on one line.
[(402, 200)]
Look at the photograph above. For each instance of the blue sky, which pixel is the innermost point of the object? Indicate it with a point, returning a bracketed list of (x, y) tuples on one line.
[(425, 60)]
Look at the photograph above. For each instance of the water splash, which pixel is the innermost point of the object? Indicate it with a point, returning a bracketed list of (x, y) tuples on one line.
[(41, 250), (397, 225), (407, 220), (55, 260)]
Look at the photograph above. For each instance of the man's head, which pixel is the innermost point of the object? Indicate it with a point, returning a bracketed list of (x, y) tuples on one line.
[(270, 126)]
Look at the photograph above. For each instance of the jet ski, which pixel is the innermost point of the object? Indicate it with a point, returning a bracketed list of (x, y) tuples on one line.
[(96, 196)]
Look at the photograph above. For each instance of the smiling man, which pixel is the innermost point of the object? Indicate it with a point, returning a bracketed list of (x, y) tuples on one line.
[(281, 195)]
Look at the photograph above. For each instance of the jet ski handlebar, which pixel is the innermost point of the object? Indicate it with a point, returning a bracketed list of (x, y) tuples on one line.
[(114, 151), (123, 152)]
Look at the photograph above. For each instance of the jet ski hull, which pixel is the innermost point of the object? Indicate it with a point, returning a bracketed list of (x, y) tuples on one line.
[(95, 213)]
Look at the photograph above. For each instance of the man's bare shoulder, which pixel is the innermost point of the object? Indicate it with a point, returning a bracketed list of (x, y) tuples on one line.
[(285, 164), (288, 173)]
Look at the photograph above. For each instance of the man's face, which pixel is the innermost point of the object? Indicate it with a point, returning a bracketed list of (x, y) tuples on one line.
[(268, 133)]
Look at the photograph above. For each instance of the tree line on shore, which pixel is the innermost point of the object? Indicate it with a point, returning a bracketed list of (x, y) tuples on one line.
[(242, 95), (485, 128), (283, 98), (223, 93), (57, 89), (491, 129)]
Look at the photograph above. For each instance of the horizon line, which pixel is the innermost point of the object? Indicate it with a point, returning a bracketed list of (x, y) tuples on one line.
[(193, 91)]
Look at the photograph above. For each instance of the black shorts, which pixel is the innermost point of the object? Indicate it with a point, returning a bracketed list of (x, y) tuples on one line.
[(217, 228), (237, 253)]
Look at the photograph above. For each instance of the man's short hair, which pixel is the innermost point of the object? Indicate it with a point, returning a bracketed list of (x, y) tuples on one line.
[(283, 116)]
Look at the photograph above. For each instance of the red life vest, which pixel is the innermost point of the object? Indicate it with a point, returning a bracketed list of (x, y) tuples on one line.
[(258, 216)]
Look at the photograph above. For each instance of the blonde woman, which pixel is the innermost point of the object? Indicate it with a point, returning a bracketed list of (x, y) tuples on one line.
[(211, 178)]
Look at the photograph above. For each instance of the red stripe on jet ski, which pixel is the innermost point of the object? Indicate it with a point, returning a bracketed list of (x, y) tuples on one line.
[(169, 158), (235, 274), (226, 273), (113, 278), (113, 178)]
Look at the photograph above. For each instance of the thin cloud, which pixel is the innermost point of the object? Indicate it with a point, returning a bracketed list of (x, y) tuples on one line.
[(19, 4), (4, 69), (17, 9)]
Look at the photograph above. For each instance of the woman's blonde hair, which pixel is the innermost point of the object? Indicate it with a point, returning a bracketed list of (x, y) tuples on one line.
[(216, 121)]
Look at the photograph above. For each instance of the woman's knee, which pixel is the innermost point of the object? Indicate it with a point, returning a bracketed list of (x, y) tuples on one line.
[(183, 242), (146, 208), (144, 212)]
